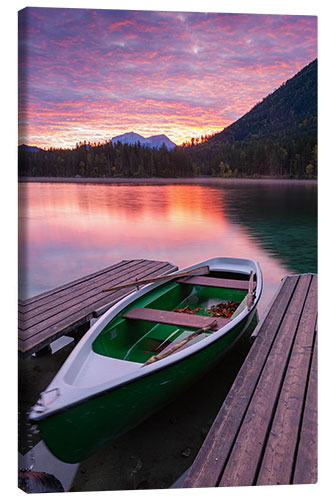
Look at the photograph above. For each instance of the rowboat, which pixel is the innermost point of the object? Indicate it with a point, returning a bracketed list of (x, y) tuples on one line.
[(144, 351)]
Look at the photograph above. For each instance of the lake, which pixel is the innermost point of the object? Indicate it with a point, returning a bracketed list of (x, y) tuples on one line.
[(69, 229)]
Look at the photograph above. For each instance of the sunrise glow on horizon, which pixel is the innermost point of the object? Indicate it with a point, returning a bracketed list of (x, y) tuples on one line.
[(89, 75)]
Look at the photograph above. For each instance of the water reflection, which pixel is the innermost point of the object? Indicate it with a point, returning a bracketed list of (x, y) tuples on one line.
[(282, 217), (68, 230)]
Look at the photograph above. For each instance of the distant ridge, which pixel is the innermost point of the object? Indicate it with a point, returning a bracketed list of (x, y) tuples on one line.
[(277, 137), (288, 106), (131, 138), (28, 148), (154, 141)]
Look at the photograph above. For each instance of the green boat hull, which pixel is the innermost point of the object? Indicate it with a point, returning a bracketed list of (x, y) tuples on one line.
[(109, 384), (80, 430)]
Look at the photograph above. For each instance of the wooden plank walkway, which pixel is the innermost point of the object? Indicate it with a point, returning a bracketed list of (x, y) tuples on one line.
[(50, 315), (266, 430)]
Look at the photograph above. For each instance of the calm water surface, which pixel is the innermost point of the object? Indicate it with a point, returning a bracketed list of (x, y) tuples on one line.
[(67, 230)]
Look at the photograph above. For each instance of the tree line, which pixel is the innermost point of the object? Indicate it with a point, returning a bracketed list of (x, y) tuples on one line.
[(274, 157), (276, 138), (105, 160), (269, 156)]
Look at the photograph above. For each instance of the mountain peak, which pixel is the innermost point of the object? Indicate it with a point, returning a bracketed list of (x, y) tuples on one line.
[(154, 141), (128, 138)]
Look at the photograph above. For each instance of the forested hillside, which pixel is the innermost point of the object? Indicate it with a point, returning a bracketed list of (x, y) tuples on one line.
[(105, 160), (277, 137)]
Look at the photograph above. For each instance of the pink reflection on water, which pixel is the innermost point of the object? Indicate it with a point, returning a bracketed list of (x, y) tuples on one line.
[(107, 216), (69, 230)]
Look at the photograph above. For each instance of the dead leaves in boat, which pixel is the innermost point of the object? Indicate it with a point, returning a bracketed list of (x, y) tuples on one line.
[(223, 310), (187, 310)]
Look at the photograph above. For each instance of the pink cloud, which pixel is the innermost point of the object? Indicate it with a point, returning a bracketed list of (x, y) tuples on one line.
[(189, 74)]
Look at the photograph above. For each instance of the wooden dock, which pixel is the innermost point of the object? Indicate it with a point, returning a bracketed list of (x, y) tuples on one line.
[(266, 430), (63, 310)]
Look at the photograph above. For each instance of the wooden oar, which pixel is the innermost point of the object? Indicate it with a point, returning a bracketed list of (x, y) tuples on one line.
[(197, 271), (180, 344), (250, 295)]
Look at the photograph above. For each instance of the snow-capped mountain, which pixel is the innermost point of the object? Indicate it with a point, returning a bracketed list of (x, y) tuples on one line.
[(157, 141), (154, 141), (128, 138)]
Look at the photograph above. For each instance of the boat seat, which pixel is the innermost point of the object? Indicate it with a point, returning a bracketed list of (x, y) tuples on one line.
[(174, 318), (216, 282)]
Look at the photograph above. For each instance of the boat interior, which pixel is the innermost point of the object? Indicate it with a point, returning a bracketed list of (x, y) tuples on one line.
[(150, 325)]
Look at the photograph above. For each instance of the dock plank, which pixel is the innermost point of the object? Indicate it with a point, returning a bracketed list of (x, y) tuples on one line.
[(306, 466), (89, 290), (242, 464), (267, 422), (78, 304), (43, 297), (278, 459), (57, 312), (76, 287), (213, 455), (34, 343)]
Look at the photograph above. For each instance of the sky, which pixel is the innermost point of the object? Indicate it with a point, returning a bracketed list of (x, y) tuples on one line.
[(88, 74)]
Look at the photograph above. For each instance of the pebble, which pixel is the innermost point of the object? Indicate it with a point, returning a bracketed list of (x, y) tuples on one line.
[(186, 453)]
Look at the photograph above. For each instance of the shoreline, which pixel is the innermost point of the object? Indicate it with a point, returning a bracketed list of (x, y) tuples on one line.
[(164, 180)]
